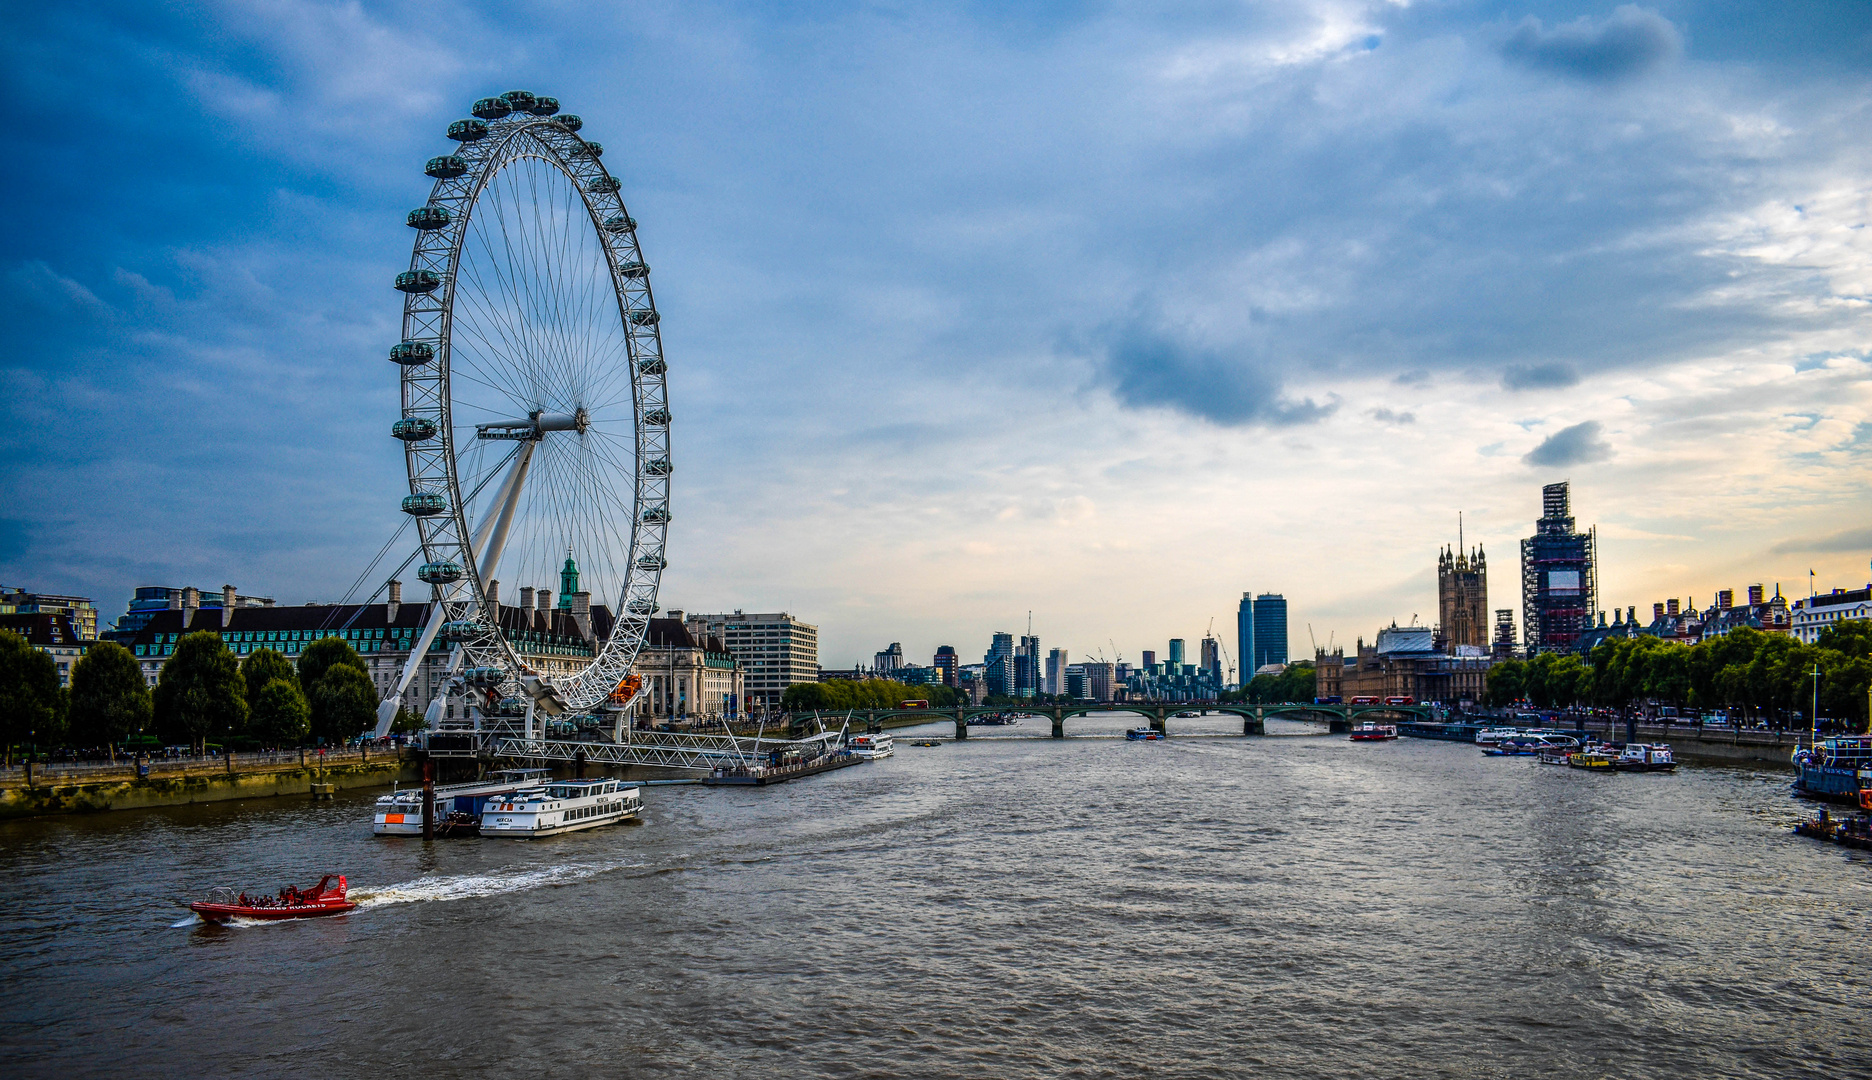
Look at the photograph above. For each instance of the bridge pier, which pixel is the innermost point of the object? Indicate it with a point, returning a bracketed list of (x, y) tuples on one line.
[(872, 724), (961, 726), (1059, 724), (1157, 722), (1341, 724), (1253, 725)]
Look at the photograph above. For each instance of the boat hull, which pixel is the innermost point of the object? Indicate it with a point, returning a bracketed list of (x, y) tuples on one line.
[(222, 913), (781, 775), (492, 826)]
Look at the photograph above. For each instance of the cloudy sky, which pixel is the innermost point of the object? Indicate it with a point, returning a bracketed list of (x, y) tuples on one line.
[(1108, 312)]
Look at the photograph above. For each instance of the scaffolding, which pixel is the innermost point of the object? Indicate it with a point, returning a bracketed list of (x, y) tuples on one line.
[(1559, 578)]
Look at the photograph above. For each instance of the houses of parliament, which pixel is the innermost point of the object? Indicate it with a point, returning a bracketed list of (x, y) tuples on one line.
[(1462, 599)]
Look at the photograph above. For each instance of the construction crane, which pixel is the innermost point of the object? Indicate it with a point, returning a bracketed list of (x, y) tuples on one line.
[(1228, 661)]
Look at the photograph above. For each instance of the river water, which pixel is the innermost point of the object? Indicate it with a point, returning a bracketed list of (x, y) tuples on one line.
[(1290, 906)]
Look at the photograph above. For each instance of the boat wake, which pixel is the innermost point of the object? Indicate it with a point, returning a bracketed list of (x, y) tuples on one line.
[(471, 886)]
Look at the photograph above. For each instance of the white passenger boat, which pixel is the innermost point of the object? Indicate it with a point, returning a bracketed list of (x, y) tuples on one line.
[(561, 807), (871, 746), (456, 805), (1492, 735)]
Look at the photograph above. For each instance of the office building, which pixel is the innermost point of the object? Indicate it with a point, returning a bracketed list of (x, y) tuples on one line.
[(51, 633), (1027, 667), (1559, 590), (1269, 643), (998, 666), (79, 613), (945, 662), (556, 642), (1244, 636), (887, 661), (1816, 613), (1175, 653), (775, 651), (1076, 686), (1056, 665), (1100, 679), (150, 599)]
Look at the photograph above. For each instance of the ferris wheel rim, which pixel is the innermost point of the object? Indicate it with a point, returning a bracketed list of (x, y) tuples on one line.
[(430, 316)]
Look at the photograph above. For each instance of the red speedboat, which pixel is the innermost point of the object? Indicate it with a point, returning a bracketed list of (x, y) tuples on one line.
[(324, 898)]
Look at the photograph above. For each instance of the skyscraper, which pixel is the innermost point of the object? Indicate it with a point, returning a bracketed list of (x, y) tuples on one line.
[(998, 665), (1559, 588), (1176, 655), (1244, 637), (1056, 671), (1212, 659), (1027, 667), (1270, 632), (945, 663)]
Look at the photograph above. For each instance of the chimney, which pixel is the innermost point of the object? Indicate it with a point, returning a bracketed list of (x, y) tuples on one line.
[(1725, 600), (1657, 611), (545, 600), (675, 614), (1631, 614), (191, 603), (228, 596), (396, 602), (493, 595), (175, 600), (581, 613), (1670, 608), (526, 597), (1755, 594)]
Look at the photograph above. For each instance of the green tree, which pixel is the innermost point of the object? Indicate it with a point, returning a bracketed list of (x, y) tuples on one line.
[(281, 714), (407, 722), (1505, 684), (109, 697), (32, 703), (200, 692), (801, 697), (262, 667), (324, 654), (344, 703)]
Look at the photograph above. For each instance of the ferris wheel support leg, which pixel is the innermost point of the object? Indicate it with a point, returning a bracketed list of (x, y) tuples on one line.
[(491, 537), (386, 712)]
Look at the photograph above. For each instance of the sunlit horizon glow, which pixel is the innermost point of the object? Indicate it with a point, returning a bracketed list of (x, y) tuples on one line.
[(1105, 314)]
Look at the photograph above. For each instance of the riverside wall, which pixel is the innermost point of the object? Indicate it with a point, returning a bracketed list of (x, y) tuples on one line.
[(54, 795)]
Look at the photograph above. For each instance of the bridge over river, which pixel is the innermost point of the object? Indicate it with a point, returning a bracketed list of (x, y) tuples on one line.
[(1338, 718), (703, 752)]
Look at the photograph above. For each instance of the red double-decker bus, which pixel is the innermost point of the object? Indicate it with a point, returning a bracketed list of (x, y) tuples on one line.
[(919, 703)]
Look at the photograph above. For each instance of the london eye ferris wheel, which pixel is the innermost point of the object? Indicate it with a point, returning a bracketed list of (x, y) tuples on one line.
[(535, 421)]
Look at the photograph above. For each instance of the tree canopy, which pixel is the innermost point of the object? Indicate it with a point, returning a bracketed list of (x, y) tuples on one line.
[(1751, 674), (344, 703), (1299, 682), (262, 667), (200, 691), (866, 694), (321, 655), (32, 703), (109, 697), (281, 714)]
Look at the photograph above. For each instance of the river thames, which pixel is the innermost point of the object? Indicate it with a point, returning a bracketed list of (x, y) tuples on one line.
[(1009, 907)]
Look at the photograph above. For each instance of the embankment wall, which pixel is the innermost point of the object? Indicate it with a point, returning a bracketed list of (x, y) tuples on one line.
[(208, 785)]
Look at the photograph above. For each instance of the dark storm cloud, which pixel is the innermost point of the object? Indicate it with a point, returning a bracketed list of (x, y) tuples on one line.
[(1576, 445), (1150, 367), (1631, 42), (1539, 377)]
